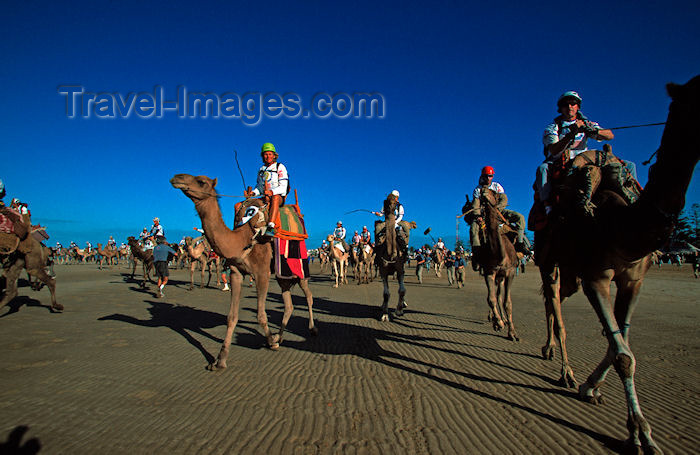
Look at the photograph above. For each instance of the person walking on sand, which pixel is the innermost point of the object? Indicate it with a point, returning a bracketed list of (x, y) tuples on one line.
[(420, 265), (450, 264), (160, 260), (459, 270)]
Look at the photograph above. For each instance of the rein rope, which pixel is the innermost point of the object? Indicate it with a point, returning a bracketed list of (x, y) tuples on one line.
[(217, 194)]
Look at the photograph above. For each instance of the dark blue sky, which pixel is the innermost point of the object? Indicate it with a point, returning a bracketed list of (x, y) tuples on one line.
[(465, 85)]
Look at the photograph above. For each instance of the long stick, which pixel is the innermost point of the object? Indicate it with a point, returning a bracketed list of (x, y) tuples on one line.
[(636, 126), (235, 155), (358, 210)]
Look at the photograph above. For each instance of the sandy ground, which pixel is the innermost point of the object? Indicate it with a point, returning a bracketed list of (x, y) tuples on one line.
[(120, 371)]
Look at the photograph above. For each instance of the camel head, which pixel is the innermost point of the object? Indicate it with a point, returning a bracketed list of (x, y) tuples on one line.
[(390, 204), (196, 188), (489, 196)]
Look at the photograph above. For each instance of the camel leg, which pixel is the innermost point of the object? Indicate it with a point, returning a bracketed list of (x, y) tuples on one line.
[(625, 303), (145, 273), (508, 307), (133, 270), (492, 301), (50, 283), (203, 265), (286, 286), (551, 284), (262, 281), (11, 276), (304, 285), (402, 293), (231, 319), (386, 296), (192, 266), (336, 272), (598, 292)]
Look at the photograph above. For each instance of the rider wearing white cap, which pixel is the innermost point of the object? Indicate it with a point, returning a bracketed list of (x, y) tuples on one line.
[(568, 132), (402, 232), (157, 228)]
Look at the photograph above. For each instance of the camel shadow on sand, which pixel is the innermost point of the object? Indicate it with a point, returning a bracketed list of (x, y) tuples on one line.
[(364, 342), (23, 300), (187, 321)]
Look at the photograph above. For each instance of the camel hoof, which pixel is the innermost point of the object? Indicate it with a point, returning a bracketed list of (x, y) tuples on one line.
[(313, 331), (335, 286), (216, 366), (547, 353), (274, 346), (385, 318), (567, 381), (632, 448), (398, 312), (513, 337), (58, 307)]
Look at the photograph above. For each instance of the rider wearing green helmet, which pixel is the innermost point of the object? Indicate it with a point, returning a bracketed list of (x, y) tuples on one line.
[(272, 184)]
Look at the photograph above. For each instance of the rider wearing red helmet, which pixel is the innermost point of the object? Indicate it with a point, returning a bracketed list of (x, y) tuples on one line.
[(514, 218)]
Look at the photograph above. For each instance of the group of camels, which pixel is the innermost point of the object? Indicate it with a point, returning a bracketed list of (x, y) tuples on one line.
[(616, 243), (362, 258), (613, 244)]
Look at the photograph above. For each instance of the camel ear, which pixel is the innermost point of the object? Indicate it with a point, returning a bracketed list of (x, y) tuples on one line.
[(213, 184), (673, 90)]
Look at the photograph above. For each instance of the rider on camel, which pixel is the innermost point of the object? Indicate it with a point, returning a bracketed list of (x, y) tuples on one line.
[(565, 138), (522, 244), (401, 231), (339, 234), (272, 185)]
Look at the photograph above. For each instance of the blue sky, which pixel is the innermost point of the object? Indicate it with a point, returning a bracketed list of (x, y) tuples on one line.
[(465, 85)]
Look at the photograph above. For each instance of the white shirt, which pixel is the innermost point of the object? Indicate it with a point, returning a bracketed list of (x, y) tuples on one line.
[(398, 212), (275, 176), (339, 232), (494, 186)]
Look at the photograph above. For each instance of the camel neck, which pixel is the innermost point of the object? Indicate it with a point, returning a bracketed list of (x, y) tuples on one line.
[(225, 242)]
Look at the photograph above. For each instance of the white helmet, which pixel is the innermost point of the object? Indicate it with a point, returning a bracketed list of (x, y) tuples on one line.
[(395, 193)]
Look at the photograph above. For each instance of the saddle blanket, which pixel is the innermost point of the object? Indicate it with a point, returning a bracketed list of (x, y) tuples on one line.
[(290, 225), (291, 259), (40, 234), (339, 246), (367, 249), (6, 224)]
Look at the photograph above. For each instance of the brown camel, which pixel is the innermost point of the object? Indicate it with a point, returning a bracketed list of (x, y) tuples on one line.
[(145, 256), (339, 262), (498, 261), (390, 257), (438, 261), (198, 252), (34, 261), (82, 254), (123, 254), (323, 258), (615, 244), (108, 254), (244, 255), (365, 259)]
